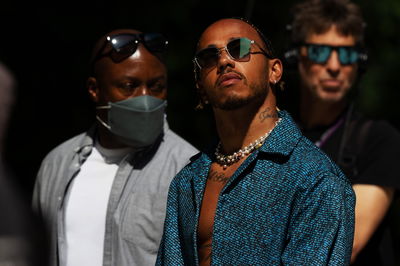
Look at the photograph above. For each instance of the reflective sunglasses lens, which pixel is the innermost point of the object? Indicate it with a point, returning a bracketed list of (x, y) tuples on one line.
[(347, 55), (124, 43), (319, 53), (155, 42), (239, 49), (207, 57)]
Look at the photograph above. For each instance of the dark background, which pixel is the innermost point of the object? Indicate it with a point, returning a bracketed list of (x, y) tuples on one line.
[(47, 49)]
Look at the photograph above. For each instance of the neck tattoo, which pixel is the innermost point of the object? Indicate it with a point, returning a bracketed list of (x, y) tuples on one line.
[(227, 160)]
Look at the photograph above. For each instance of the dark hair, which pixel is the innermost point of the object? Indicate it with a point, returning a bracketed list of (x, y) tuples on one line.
[(317, 16), (266, 41)]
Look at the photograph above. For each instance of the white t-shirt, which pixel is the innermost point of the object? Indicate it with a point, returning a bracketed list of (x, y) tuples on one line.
[(86, 206)]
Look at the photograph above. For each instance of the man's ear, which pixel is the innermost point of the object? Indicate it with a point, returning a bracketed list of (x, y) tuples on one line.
[(202, 97), (201, 92), (91, 85), (276, 70)]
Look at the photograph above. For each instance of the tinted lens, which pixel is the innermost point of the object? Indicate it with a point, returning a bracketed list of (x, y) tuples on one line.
[(207, 57), (347, 55), (318, 53), (155, 42), (239, 49), (124, 43)]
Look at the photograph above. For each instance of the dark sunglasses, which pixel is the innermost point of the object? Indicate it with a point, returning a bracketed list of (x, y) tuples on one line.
[(320, 53), (238, 49), (126, 44)]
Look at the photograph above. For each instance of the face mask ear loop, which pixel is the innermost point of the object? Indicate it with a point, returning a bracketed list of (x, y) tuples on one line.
[(100, 120)]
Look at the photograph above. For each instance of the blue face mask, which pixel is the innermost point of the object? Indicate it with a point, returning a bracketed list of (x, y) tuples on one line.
[(137, 121)]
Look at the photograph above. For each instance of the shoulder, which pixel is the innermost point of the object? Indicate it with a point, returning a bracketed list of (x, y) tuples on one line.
[(307, 154), (379, 135), (174, 152), (301, 161), (317, 175), (65, 148), (177, 145), (197, 164), (312, 164), (55, 163), (378, 153), (383, 130), (376, 127)]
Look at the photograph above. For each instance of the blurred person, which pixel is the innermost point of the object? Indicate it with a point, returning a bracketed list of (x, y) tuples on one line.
[(22, 237), (103, 193), (262, 194), (328, 54), (7, 97)]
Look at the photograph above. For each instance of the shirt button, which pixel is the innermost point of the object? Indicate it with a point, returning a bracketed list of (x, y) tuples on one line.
[(59, 198), (77, 165)]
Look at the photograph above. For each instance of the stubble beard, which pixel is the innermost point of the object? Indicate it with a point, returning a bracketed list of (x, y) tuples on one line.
[(258, 94)]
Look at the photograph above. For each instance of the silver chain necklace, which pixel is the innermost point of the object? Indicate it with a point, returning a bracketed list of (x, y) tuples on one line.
[(226, 160)]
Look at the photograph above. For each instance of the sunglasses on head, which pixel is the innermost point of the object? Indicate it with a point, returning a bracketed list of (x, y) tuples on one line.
[(320, 53), (126, 44), (239, 49)]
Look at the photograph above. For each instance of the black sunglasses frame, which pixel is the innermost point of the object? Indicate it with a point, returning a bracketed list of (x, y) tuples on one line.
[(217, 52), (136, 39), (361, 56)]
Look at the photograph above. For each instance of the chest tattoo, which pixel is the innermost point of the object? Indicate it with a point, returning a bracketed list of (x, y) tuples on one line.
[(218, 177)]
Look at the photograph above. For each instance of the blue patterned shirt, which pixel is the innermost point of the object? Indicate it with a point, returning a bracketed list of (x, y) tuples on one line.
[(288, 203)]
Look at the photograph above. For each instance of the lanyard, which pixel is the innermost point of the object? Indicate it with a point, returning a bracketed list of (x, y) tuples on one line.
[(329, 132)]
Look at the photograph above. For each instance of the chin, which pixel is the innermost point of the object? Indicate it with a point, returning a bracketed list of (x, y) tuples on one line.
[(231, 103), (235, 102), (331, 97)]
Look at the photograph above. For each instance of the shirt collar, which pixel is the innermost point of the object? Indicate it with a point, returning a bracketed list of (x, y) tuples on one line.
[(85, 146), (282, 140), (284, 137)]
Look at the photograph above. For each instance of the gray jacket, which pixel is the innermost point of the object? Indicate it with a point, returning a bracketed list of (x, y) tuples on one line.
[(137, 201)]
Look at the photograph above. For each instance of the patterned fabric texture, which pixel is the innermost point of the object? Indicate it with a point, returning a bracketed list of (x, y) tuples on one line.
[(288, 203)]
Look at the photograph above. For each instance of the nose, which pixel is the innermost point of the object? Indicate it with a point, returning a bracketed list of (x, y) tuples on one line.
[(333, 65), (224, 60), (140, 91)]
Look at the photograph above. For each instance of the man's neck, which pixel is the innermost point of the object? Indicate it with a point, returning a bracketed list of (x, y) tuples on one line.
[(109, 140), (314, 113), (238, 128)]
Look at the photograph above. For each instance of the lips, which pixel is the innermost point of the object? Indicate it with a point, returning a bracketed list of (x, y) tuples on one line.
[(331, 83), (228, 79)]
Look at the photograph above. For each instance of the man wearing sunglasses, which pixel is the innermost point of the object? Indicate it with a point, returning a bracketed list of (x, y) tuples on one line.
[(262, 194), (329, 57), (103, 193)]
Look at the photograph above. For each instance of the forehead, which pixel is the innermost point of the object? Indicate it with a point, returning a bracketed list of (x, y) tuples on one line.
[(146, 59), (331, 37), (220, 32)]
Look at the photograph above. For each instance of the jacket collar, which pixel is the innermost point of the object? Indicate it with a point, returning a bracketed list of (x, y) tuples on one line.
[(284, 138)]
